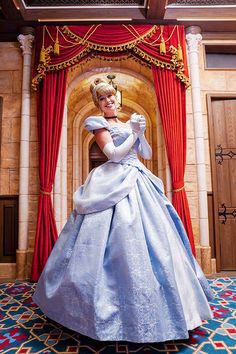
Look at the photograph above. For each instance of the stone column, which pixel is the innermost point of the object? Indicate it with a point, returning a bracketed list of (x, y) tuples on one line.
[(64, 169), (194, 39), (57, 193), (26, 41), (60, 181)]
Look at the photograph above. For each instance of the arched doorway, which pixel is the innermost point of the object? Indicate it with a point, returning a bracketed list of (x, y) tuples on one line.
[(96, 156), (138, 96)]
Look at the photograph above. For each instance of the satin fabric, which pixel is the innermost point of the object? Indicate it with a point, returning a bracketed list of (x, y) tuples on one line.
[(122, 268)]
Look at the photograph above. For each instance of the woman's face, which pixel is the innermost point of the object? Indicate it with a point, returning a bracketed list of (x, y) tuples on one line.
[(107, 104)]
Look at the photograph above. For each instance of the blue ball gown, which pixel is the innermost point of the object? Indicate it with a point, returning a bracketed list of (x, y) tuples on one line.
[(122, 268)]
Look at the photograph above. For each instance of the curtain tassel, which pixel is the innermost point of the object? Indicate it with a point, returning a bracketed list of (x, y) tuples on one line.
[(162, 47), (179, 53), (42, 58), (56, 48)]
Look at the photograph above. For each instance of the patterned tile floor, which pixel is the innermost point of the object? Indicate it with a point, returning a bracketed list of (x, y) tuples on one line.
[(25, 330)]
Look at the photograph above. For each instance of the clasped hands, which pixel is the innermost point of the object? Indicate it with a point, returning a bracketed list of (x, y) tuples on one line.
[(138, 126), (138, 123)]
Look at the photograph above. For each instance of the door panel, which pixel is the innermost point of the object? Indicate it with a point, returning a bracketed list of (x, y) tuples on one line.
[(8, 229), (224, 137)]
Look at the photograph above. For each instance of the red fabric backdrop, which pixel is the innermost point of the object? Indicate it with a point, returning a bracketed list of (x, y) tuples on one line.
[(50, 117), (171, 100), (57, 48)]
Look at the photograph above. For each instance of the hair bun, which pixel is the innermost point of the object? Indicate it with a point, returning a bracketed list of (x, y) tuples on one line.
[(97, 81)]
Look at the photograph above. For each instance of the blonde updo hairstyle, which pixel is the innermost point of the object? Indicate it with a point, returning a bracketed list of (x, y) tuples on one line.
[(99, 88)]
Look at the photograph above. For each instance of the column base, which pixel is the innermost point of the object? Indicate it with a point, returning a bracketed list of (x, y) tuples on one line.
[(206, 259), (21, 264), (213, 265), (198, 255), (203, 256), (30, 255)]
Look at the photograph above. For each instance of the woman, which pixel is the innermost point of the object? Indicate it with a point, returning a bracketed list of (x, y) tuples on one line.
[(122, 268)]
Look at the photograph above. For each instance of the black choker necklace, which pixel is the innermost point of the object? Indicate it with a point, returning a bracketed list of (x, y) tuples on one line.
[(110, 117)]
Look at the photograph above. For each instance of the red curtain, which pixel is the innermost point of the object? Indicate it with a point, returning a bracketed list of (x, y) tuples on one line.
[(60, 47), (51, 99), (171, 96)]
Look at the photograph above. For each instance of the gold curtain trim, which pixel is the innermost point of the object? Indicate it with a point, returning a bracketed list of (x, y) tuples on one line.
[(45, 193), (175, 65), (111, 59), (115, 59), (183, 78), (178, 189), (152, 60), (44, 67), (135, 33), (69, 62), (109, 48)]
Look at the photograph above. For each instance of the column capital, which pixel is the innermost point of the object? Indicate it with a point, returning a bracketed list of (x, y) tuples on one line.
[(193, 30), (26, 43), (193, 41)]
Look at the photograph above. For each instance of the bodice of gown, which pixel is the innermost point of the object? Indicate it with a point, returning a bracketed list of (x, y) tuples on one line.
[(119, 134), (107, 184)]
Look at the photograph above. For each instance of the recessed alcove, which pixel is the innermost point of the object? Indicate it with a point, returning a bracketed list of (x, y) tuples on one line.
[(138, 95)]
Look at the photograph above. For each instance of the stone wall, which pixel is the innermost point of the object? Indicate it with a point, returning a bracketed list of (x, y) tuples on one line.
[(10, 90), (218, 81), (212, 81)]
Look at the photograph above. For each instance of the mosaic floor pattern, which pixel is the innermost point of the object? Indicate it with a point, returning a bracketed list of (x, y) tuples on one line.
[(25, 330)]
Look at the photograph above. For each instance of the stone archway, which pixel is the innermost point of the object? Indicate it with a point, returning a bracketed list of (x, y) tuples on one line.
[(138, 96)]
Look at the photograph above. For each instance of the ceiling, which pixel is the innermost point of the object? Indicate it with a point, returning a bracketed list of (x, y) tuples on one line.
[(210, 15)]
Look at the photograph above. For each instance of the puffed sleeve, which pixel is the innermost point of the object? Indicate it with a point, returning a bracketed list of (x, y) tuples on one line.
[(95, 122)]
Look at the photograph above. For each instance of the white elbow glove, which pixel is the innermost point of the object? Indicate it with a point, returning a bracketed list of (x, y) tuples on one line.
[(116, 153), (138, 122), (144, 148)]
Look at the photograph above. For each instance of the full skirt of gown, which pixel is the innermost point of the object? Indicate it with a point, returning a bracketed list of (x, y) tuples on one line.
[(122, 268)]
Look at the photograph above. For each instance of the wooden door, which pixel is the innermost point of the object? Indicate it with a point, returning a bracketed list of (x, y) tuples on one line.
[(8, 228), (223, 157)]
